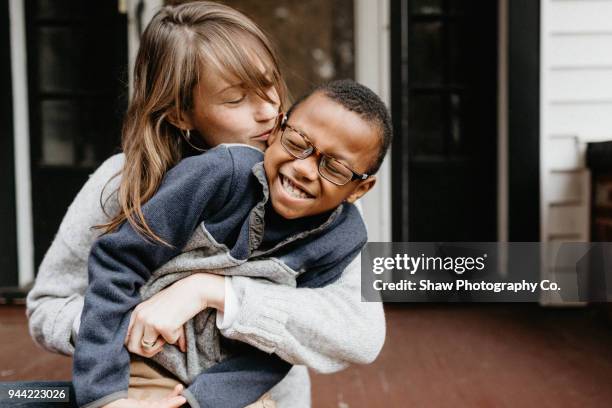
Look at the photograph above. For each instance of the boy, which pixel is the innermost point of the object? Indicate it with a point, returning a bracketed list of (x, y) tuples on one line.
[(213, 211)]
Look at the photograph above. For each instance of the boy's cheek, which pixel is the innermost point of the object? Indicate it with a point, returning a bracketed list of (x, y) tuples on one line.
[(274, 137), (268, 163), (332, 196), (270, 155), (275, 157)]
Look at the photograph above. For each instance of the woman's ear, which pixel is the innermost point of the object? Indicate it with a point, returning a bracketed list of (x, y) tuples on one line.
[(363, 187), (180, 120)]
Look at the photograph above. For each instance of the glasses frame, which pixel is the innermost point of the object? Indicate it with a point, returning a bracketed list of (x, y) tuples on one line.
[(312, 149)]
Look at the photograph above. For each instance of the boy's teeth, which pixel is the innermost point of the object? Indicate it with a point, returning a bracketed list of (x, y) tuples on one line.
[(292, 189)]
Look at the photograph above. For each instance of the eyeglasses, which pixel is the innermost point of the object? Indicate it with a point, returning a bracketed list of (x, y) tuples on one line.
[(297, 145)]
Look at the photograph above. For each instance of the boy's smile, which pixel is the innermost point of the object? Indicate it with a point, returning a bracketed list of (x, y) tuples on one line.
[(296, 187)]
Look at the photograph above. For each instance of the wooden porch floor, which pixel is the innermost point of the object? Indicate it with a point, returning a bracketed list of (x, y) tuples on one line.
[(434, 356)]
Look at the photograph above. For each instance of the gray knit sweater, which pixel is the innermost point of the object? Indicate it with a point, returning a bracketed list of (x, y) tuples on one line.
[(324, 328)]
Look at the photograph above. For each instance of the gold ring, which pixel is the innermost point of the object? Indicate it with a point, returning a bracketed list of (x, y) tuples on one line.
[(148, 344)]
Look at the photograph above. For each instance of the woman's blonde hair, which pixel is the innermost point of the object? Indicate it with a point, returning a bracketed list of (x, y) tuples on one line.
[(179, 43)]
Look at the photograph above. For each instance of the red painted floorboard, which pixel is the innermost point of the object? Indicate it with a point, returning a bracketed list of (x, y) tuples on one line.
[(435, 356)]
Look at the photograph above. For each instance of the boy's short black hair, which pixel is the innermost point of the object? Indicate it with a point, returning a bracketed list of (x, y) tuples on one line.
[(362, 100)]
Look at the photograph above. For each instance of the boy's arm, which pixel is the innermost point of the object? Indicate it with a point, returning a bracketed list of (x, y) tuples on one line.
[(121, 262)]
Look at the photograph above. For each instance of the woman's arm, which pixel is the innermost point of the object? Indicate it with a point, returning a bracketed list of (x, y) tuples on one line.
[(324, 328), (167, 311), (55, 302)]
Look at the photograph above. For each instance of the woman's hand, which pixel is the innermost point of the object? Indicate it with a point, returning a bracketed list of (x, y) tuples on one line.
[(173, 400), (160, 319)]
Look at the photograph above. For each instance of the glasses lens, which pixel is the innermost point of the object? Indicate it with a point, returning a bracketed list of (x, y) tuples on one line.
[(335, 171), (295, 143)]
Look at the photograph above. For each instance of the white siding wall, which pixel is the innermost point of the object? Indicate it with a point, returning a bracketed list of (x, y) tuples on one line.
[(576, 108)]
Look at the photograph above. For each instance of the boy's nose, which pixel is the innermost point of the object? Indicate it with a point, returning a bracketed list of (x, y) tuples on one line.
[(307, 169)]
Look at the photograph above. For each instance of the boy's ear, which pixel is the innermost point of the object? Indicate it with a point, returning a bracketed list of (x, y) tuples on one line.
[(363, 187), (182, 121)]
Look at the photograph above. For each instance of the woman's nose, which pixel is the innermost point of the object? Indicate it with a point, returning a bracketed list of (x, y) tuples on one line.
[(266, 110)]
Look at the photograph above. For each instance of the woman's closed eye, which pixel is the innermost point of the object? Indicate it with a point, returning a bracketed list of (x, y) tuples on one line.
[(235, 99)]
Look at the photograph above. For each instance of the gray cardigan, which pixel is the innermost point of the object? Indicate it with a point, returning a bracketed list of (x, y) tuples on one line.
[(340, 328)]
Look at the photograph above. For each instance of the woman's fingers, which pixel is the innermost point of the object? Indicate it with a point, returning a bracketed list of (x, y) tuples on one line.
[(146, 340), (171, 335), (136, 334), (159, 345), (121, 403), (150, 336), (129, 330), (181, 340), (175, 402), (150, 343), (178, 388), (175, 397), (143, 340)]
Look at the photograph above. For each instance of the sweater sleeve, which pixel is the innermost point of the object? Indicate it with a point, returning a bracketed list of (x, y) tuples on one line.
[(324, 328), (56, 299), (121, 262)]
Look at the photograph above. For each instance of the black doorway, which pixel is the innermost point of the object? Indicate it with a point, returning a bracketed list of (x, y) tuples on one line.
[(444, 105), (8, 237), (77, 70)]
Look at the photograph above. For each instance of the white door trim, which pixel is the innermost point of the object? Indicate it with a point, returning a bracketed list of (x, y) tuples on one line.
[(21, 135), (372, 68), (149, 8)]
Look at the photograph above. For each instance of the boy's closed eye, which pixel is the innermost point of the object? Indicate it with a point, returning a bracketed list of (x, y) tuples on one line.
[(333, 168)]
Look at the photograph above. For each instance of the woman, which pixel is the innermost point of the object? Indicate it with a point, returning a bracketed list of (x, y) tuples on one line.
[(205, 74)]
